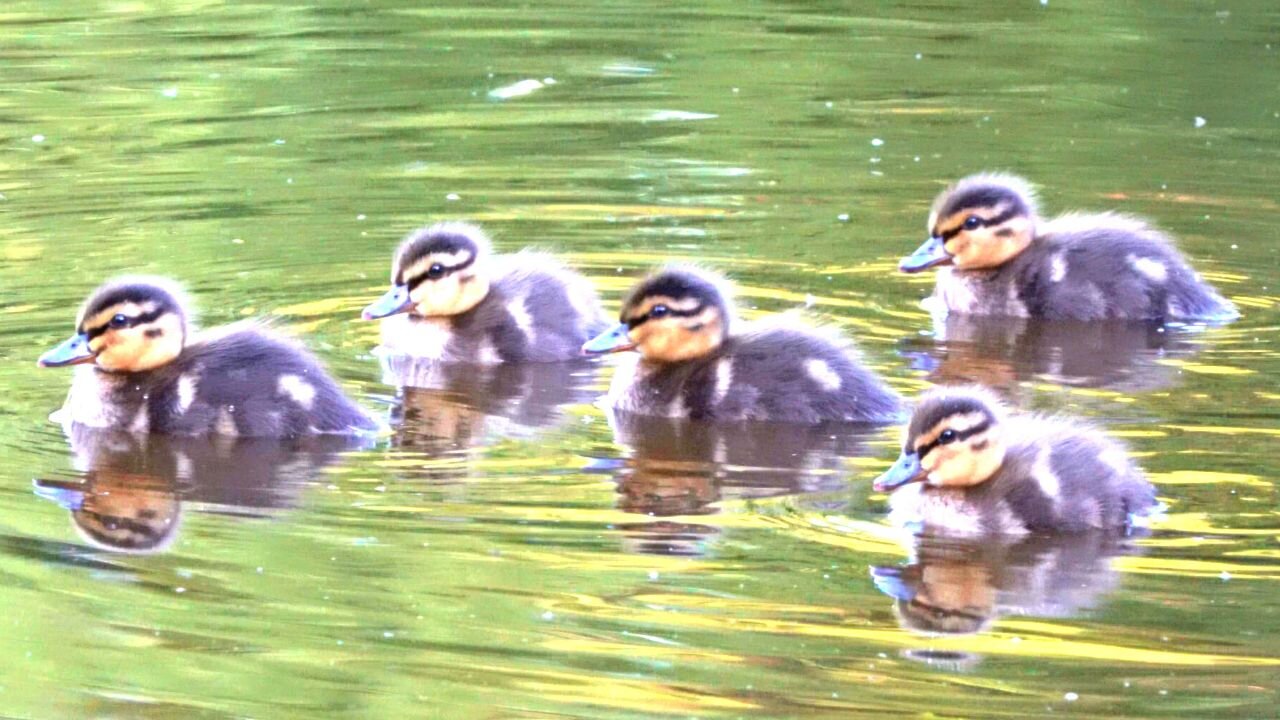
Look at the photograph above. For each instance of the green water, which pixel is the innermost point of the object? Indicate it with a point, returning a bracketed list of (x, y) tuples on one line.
[(506, 555)]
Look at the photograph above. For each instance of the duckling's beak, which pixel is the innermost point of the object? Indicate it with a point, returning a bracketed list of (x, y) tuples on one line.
[(890, 581), (609, 341), (906, 470), (396, 300), (932, 252), (73, 351), (68, 498)]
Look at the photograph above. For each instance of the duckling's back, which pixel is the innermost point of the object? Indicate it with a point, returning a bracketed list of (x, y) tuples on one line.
[(773, 373), (1059, 477), (554, 309), (1095, 267), (800, 374)]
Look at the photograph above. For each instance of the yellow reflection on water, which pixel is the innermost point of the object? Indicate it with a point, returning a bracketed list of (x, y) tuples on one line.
[(1037, 639)]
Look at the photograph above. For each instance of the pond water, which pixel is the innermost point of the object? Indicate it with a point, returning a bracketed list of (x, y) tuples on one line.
[(512, 552)]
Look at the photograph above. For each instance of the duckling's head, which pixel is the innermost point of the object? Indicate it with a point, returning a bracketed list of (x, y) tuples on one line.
[(437, 271), (130, 324), (954, 439), (981, 222), (677, 314)]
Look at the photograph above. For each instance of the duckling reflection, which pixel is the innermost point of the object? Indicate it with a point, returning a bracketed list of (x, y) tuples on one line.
[(1003, 352), (446, 407), (953, 587), (134, 487), (678, 467)]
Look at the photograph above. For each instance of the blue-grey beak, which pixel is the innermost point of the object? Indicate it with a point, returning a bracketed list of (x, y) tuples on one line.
[(932, 252), (889, 581), (396, 300), (66, 497), (906, 470), (73, 351), (613, 340)]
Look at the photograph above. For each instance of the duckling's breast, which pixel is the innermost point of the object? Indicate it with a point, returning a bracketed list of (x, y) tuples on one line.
[(418, 337), (954, 512), (99, 399), (978, 293)]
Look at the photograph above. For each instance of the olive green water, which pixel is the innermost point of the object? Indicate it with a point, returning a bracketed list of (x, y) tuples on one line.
[(508, 554)]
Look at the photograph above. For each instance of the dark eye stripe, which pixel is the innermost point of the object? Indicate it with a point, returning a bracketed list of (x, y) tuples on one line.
[(1002, 217), (414, 282), (963, 435), (633, 322), (134, 321)]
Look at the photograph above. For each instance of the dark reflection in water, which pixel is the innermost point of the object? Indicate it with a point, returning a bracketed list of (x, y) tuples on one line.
[(682, 467), (953, 588), (1002, 352), (444, 408), (134, 487)]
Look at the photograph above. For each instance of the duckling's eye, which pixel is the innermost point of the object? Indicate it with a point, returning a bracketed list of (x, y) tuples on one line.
[(658, 311), (973, 222), (946, 436), (436, 271), (118, 321)]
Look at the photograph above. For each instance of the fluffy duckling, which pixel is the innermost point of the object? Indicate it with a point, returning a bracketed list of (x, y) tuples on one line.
[(452, 300), (1001, 258), (691, 365), (142, 369), (967, 468)]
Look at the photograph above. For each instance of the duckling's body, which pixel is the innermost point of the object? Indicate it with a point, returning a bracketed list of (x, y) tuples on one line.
[(968, 469), (1000, 258), (147, 375), (452, 301), (689, 365)]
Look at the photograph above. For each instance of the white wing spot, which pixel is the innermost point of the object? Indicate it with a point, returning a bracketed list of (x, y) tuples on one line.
[(186, 392), (1042, 471), (1057, 268), (724, 379), (1153, 269), (822, 374), (520, 313), (298, 390)]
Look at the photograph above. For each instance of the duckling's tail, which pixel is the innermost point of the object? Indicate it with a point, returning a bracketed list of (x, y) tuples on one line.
[(1191, 298)]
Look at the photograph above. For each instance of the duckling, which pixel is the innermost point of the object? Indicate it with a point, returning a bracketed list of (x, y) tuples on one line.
[(969, 468), (691, 365), (1000, 258), (143, 369), (453, 300)]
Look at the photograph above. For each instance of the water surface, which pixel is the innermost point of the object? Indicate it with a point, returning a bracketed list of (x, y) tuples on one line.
[(512, 551)]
